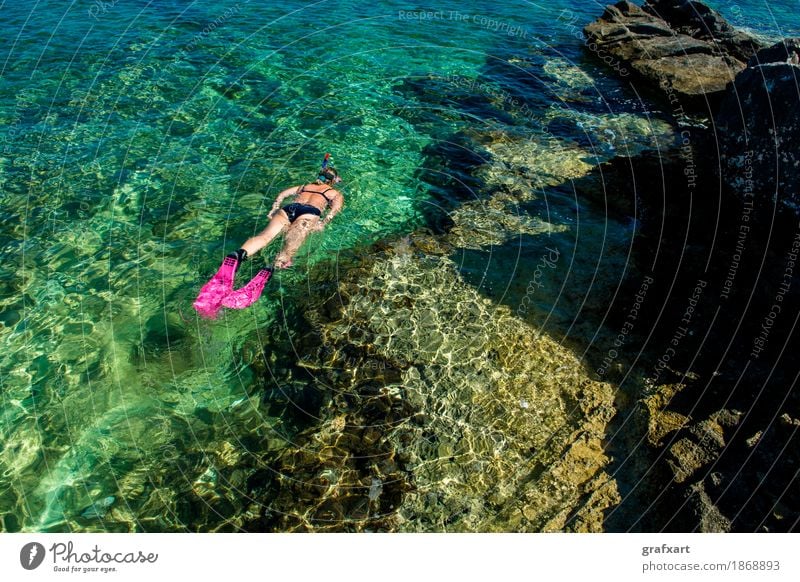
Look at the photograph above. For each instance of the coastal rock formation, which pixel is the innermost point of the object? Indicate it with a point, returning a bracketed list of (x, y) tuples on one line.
[(677, 46), (697, 20), (758, 124), (719, 422)]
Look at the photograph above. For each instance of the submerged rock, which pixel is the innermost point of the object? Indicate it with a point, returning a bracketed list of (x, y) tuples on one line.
[(605, 136), (453, 448), (98, 509), (524, 165), (567, 75), (707, 515), (519, 170), (481, 224), (662, 422), (568, 82)]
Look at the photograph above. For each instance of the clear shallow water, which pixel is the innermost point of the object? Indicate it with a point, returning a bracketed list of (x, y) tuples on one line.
[(144, 140)]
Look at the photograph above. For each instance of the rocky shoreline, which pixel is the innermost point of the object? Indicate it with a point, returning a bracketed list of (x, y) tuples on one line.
[(720, 234)]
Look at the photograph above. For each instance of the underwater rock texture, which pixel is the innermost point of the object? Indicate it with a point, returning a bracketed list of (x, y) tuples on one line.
[(519, 169), (721, 452), (459, 416), (671, 46)]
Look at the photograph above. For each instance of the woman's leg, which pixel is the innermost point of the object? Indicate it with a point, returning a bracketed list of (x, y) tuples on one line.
[(295, 236), (262, 239)]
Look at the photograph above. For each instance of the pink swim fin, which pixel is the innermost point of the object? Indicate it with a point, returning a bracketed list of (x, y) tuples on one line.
[(209, 301), (249, 294)]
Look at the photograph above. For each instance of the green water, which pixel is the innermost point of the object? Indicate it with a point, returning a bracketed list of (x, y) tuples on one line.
[(144, 141)]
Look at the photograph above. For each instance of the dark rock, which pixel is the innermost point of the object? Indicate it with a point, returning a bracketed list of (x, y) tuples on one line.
[(697, 20), (699, 58), (707, 516), (787, 51), (758, 125)]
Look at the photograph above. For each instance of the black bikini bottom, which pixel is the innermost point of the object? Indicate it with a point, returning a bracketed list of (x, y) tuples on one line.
[(295, 210)]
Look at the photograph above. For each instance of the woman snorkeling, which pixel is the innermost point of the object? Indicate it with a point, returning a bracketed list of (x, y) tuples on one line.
[(297, 219)]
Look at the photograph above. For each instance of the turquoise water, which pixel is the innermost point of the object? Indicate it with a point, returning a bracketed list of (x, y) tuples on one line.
[(144, 140)]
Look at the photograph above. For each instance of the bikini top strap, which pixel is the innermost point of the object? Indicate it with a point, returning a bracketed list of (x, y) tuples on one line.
[(302, 189)]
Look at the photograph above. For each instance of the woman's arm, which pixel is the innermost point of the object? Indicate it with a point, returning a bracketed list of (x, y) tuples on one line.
[(336, 206), (281, 197)]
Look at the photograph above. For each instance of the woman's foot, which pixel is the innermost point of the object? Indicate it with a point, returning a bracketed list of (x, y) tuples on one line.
[(282, 263)]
